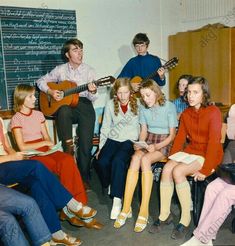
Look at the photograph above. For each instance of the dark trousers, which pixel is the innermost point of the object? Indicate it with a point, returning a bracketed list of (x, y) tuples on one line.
[(83, 115), (112, 165), (44, 187), (229, 152)]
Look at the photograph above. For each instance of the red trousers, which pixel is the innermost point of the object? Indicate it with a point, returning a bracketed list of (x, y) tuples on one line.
[(63, 165)]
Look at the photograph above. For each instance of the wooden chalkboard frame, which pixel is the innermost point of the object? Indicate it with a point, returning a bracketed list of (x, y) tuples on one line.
[(30, 45)]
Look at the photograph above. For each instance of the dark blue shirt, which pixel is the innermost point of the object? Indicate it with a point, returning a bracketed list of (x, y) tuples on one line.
[(143, 66)]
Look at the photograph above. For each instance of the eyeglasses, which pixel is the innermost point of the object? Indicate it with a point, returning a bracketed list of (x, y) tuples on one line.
[(140, 45)]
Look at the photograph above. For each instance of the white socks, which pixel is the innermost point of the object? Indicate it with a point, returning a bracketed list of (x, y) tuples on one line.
[(59, 235), (74, 205), (116, 209)]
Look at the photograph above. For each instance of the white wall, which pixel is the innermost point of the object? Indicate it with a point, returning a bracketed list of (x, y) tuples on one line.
[(107, 27), (195, 14)]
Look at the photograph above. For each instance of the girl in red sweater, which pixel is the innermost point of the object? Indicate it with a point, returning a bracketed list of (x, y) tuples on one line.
[(196, 151)]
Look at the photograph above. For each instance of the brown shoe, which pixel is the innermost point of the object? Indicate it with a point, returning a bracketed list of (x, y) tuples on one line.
[(67, 241), (94, 224), (158, 225), (180, 232), (69, 147), (80, 213), (74, 221), (87, 186)]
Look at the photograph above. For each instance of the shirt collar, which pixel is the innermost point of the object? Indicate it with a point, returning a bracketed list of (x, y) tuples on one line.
[(70, 68)]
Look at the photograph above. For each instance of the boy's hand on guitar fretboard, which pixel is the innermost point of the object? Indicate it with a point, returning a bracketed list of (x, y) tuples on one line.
[(92, 88), (160, 71)]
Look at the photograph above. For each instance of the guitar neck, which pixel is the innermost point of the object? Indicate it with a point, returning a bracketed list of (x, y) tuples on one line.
[(155, 73), (78, 89), (168, 65), (151, 75)]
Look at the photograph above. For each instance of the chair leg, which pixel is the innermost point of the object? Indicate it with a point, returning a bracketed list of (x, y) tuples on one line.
[(197, 199), (198, 192), (233, 226), (195, 203)]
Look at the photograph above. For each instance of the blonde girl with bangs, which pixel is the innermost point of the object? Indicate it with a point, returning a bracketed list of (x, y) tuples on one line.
[(120, 125), (28, 126), (158, 122)]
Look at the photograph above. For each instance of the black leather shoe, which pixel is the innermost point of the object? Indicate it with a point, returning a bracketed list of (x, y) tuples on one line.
[(158, 225), (179, 232)]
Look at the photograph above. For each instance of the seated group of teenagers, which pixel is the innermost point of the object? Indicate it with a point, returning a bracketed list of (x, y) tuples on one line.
[(190, 125)]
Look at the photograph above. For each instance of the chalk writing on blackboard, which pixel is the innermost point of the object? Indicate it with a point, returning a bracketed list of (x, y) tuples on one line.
[(30, 45)]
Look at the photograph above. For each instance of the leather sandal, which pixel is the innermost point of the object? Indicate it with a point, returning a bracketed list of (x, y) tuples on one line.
[(140, 224), (74, 221), (67, 241), (93, 224), (82, 214), (121, 219)]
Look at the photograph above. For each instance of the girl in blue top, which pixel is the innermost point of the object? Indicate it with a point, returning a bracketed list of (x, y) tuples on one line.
[(158, 121)]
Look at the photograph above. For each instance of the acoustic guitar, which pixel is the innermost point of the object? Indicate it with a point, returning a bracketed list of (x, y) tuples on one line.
[(69, 93), (173, 62)]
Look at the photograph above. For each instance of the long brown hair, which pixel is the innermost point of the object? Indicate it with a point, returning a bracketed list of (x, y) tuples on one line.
[(120, 82), (20, 93), (152, 85), (205, 89)]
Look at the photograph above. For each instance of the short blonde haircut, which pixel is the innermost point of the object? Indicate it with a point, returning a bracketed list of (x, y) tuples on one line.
[(20, 93)]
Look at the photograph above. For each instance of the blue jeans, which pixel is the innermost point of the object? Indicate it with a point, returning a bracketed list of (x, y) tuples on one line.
[(112, 165), (44, 187), (14, 203)]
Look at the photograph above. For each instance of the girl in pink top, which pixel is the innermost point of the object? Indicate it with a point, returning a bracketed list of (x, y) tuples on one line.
[(30, 132)]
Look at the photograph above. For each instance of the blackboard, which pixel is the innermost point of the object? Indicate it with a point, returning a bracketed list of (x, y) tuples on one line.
[(30, 45)]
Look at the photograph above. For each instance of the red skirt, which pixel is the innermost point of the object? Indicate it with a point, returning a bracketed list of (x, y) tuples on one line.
[(65, 167)]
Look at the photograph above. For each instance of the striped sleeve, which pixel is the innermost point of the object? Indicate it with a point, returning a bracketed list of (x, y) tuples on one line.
[(15, 122)]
